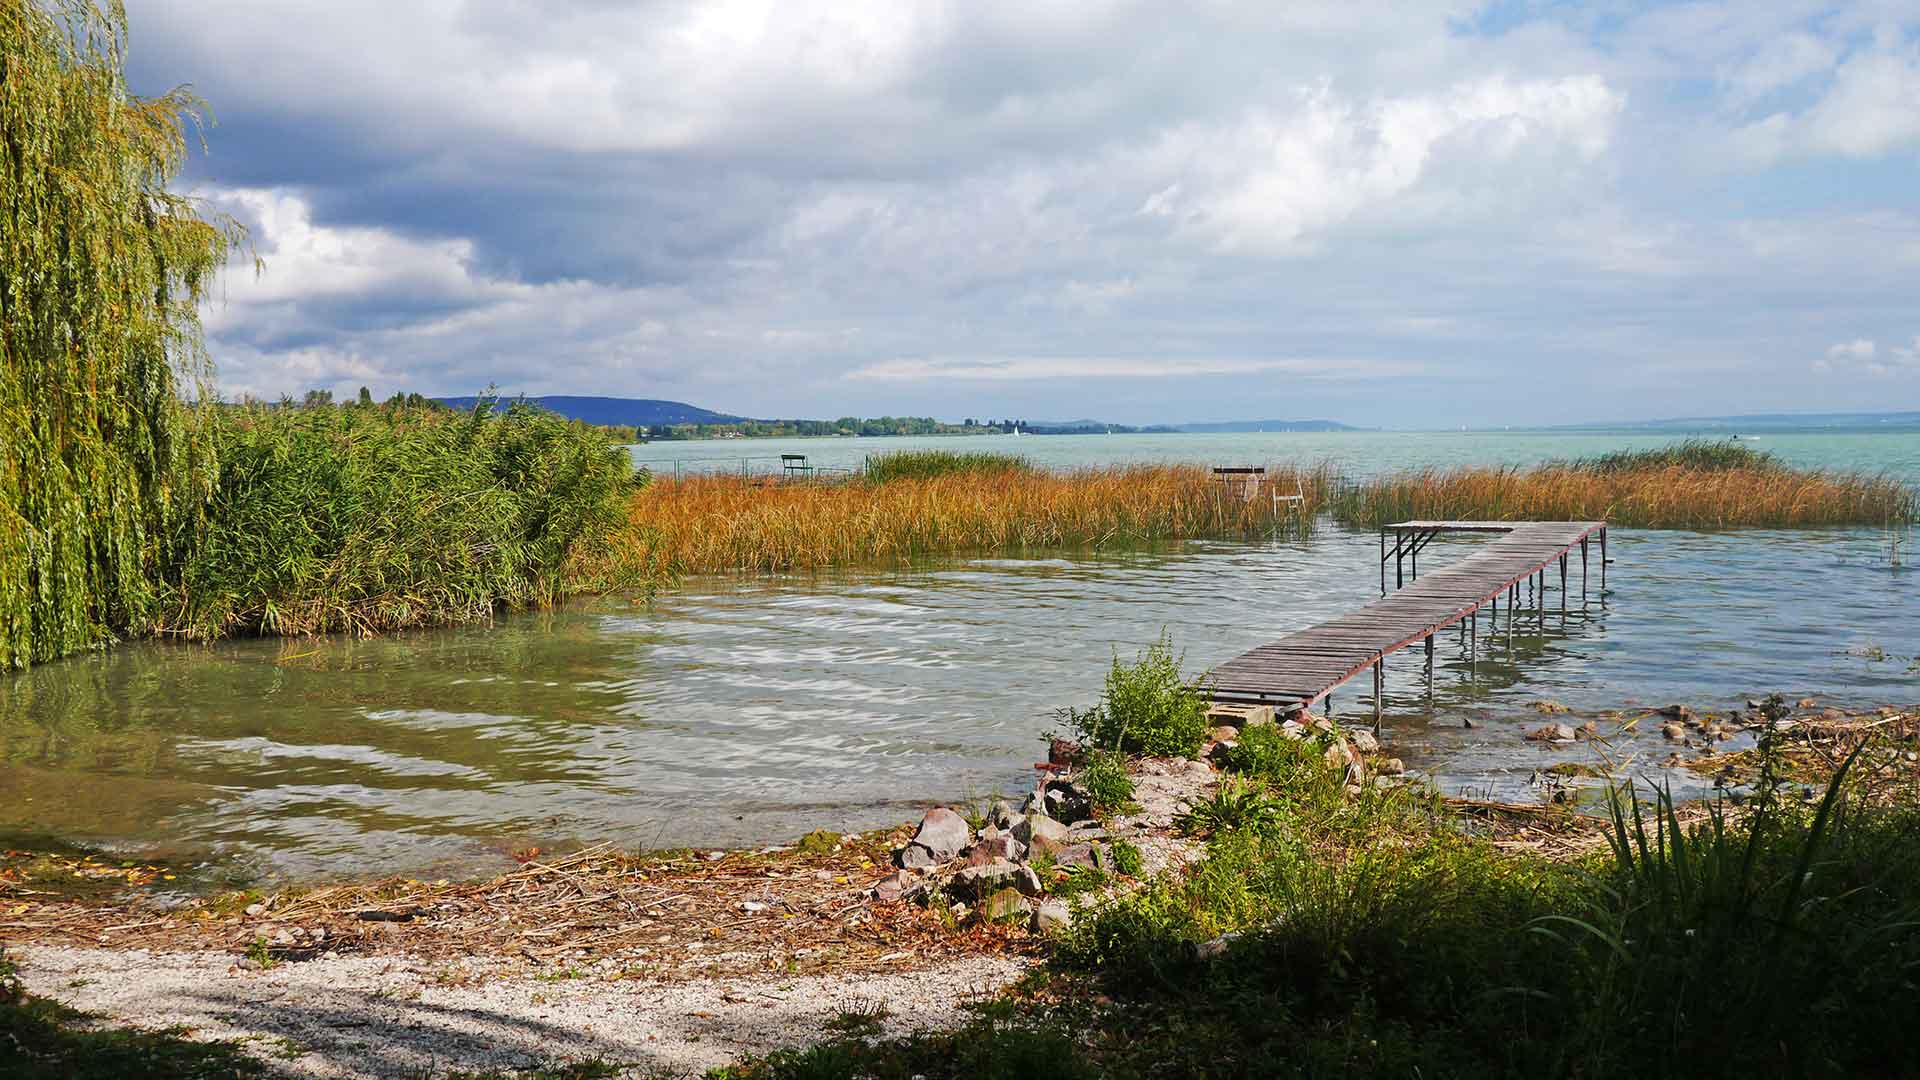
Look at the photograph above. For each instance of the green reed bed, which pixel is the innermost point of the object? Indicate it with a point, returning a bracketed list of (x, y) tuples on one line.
[(371, 518), (927, 464)]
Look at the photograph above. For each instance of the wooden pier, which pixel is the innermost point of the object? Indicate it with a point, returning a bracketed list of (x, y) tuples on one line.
[(1304, 667)]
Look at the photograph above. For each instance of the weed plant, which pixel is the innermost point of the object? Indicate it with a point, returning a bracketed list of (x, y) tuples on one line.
[(927, 464), (1234, 804), (1369, 935), (1105, 778), (1146, 708)]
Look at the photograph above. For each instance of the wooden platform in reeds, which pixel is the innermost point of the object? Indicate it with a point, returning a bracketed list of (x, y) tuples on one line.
[(1305, 666)]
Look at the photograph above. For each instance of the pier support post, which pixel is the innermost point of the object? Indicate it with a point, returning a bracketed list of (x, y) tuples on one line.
[(1583, 573), (1473, 647), (1603, 565), (1429, 673), (1379, 690), (1383, 560), (1563, 590)]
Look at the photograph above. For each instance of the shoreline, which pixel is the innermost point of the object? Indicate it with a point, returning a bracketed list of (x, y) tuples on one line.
[(674, 961)]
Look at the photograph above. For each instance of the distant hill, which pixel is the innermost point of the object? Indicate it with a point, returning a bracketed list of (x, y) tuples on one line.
[(1755, 422), (1266, 425), (641, 412)]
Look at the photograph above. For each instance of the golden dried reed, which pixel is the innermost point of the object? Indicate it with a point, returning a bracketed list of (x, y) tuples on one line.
[(1673, 497), (723, 524)]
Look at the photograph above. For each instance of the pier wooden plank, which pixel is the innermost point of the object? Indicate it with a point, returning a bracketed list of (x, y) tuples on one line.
[(1306, 665)]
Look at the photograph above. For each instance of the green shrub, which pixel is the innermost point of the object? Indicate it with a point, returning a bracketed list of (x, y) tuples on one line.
[(1127, 859), (1147, 708), (927, 464), (374, 518), (1105, 778)]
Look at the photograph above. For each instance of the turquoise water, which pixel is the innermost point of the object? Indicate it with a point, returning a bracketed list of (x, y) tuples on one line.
[(1356, 454), (748, 711)]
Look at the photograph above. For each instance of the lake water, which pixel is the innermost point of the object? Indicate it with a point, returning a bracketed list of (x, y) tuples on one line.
[(1356, 454), (749, 711)]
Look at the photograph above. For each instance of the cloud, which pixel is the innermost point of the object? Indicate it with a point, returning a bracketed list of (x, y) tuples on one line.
[(976, 206), (1863, 356), (1868, 107), (1283, 173)]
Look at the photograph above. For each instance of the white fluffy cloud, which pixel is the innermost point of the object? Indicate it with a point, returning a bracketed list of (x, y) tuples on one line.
[(1863, 356)]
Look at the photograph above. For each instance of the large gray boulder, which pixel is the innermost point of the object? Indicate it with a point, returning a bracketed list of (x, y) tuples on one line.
[(1006, 905), (1039, 832), (943, 833), (915, 857), (1050, 916)]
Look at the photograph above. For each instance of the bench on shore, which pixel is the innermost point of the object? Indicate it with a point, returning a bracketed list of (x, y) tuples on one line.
[(1244, 482)]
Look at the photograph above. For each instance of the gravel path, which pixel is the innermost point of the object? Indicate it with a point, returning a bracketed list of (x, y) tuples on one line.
[(354, 1016)]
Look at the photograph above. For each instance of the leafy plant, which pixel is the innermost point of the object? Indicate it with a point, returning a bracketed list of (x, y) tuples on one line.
[(1146, 708), (1234, 804), (1105, 778)]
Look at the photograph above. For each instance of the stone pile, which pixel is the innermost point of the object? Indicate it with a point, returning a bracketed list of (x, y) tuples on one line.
[(990, 875), (1356, 751)]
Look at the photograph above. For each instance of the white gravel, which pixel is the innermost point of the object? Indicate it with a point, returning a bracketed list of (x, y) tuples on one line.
[(381, 1016)]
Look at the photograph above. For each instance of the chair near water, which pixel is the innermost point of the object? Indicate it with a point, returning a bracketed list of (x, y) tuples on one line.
[(795, 467), (1244, 482)]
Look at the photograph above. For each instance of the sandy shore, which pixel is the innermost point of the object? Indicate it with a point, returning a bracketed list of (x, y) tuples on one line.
[(357, 1016)]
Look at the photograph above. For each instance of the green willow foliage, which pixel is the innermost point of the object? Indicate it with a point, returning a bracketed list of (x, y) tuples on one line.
[(102, 269)]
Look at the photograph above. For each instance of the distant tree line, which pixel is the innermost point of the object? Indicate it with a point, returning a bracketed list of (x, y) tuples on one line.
[(755, 429)]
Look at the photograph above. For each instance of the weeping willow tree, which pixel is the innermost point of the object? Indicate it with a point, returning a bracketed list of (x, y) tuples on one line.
[(102, 270)]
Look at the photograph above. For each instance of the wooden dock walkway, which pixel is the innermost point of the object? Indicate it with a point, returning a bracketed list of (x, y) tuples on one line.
[(1305, 666)]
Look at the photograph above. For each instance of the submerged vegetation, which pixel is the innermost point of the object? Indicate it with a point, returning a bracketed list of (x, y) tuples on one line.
[(1693, 485), (724, 524)]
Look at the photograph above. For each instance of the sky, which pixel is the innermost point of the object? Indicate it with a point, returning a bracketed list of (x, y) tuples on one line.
[(1389, 214)]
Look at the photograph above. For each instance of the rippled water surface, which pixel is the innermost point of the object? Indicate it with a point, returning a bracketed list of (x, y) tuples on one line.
[(750, 711)]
